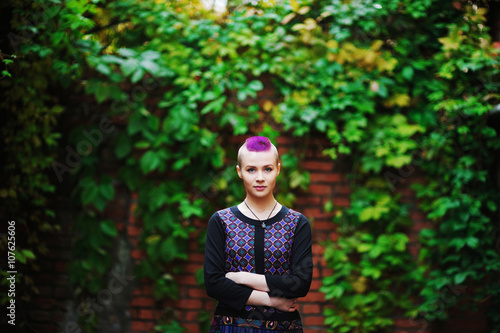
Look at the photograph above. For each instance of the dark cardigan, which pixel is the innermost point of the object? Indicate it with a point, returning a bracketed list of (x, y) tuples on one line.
[(281, 251)]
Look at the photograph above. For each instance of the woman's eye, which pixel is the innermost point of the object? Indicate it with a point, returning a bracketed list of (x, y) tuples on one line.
[(250, 170)]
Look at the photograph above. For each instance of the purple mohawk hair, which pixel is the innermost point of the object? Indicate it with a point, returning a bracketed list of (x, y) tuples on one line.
[(258, 143)]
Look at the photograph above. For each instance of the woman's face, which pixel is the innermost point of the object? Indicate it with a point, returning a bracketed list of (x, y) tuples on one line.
[(259, 170)]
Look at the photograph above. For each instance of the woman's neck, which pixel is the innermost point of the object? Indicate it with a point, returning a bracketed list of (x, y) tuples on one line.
[(260, 204)]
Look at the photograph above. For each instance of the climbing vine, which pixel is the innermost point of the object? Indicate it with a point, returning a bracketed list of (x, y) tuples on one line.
[(399, 88)]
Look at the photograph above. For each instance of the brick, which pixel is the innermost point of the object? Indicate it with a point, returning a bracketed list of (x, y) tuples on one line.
[(192, 268), (309, 200), (134, 313), (134, 231), (310, 309), (334, 236), (120, 226), (317, 249), (190, 316), (405, 323), (316, 272), (326, 177), (314, 296), (414, 250), (134, 242), (422, 225), (326, 271), (317, 213), (115, 212), (138, 254), (142, 325), (341, 202), (313, 320), (197, 257), (319, 236), (318, 165), (197, 293), (342, 189), (188, 280), (191, 304), (323, 225), (145, 289), (315, 285), (191, 328), (142, 301), (320, 189), (146, 314)]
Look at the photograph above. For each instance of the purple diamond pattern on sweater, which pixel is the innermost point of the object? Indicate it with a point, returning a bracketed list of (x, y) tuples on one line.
[(239, 243), (278, 240)]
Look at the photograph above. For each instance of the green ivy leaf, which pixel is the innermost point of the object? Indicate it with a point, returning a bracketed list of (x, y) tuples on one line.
[(129, 66), (123, 145), (255, 85), (89, 194), (150, 161), (107, 191), (137, 76), (108, 227)]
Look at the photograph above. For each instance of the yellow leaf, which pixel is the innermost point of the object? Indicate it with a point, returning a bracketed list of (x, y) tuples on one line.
[(359, 285), (295, 5), (287, 18), (400, 100), (376, 45), (452, 42), (366, 214), (304, 10), (310, 24), (332, 44), (153, 239), (268, 105), (298, 26), (449, 44)]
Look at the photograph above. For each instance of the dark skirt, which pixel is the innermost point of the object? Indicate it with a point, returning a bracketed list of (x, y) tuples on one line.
[(225, 324)]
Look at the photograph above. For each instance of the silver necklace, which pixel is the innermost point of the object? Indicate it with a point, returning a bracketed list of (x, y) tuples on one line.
[(263, 225)]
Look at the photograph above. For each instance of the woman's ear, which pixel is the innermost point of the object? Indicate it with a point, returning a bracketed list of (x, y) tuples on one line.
[(279, 168), (239, 171)]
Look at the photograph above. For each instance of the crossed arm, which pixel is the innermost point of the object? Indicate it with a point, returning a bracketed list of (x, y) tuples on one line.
[(259, 295), (237, 289)]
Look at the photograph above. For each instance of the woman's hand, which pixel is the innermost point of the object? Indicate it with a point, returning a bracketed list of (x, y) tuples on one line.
[(261, 298), (284, 304)]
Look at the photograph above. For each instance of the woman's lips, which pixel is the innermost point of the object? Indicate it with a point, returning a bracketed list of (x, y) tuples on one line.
[(260, 188)]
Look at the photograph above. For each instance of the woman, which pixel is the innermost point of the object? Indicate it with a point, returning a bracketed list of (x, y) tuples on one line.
[(258, 259)]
